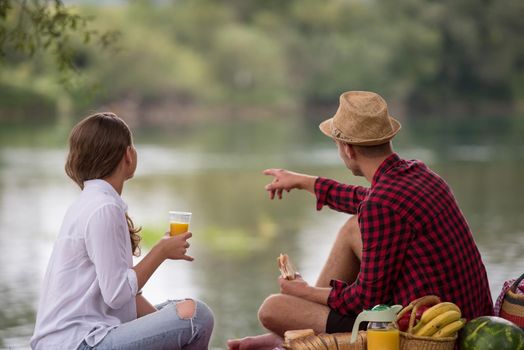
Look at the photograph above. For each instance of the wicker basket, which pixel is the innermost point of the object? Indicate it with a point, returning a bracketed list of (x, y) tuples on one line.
[(413, 342), (409, 341), (340, 341), (512, 308)]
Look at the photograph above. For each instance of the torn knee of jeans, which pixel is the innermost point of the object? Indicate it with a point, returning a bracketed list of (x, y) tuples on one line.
[(186, 309)]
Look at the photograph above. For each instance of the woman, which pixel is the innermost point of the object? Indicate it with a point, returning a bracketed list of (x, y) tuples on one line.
[(91, 295)]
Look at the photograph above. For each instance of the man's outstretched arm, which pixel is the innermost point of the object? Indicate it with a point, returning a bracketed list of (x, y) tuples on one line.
[(285, 180), (337, 196)]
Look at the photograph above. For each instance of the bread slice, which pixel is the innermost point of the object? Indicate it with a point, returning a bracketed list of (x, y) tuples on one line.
[(287, 270)]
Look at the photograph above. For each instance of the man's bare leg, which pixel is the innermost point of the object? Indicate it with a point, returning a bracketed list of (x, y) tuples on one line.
[(343, 262), (267, 341), (282, 312), (279, 313)]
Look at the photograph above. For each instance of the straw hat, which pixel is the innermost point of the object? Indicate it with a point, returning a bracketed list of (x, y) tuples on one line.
[(362, 119)]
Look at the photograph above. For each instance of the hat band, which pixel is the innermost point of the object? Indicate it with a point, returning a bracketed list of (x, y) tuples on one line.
[(338, 134), (335, 132)]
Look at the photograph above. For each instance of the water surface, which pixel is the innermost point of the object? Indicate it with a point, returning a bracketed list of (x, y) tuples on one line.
[(238, 231)]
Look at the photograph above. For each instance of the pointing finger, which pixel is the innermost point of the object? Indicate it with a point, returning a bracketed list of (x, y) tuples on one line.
[(271, 172)]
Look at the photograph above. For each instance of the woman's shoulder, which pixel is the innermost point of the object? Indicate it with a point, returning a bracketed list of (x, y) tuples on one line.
[(99, 193), (103, 206), (92, 201), (87, 207)]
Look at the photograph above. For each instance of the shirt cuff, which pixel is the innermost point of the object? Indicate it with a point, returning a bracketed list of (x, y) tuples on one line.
[(338, 288), (133, 281), (335, 298), (321, 191)]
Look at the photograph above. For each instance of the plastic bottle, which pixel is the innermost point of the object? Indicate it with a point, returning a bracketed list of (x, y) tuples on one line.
[(382, 333)]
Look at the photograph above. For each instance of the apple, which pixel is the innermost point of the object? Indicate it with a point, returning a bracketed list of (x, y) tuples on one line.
[(403, 322)]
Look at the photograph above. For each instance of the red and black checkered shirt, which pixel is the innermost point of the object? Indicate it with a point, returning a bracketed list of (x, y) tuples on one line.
[(415, 239)]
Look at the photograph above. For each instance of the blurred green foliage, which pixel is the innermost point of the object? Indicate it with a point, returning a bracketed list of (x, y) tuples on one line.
[(27, 27), (185, 57)]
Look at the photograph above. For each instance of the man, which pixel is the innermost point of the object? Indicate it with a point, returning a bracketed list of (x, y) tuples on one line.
[(407, 238)]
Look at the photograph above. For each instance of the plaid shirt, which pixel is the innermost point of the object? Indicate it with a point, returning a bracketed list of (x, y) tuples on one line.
[(415, 241)]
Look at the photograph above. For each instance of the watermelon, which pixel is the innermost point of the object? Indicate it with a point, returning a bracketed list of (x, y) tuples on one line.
[(493, 333)]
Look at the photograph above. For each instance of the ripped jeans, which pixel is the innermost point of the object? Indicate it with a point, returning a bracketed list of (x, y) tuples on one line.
[(163, 329)]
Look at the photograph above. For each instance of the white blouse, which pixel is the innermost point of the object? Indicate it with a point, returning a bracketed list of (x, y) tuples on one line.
[(90, 285)]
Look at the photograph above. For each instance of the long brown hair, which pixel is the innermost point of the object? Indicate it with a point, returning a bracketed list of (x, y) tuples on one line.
[(96, 147)]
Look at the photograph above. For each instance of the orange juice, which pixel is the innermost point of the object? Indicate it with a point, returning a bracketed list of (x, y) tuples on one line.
[(177, 228), (383, 339)]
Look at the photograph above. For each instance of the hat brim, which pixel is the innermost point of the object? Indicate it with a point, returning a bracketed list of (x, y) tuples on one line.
[(327, 129)]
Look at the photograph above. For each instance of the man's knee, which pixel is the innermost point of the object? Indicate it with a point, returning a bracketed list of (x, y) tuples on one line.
[(351, 228), (268, 311), (350, 236)]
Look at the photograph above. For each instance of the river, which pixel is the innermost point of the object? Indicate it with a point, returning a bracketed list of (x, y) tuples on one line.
[(238, 232)]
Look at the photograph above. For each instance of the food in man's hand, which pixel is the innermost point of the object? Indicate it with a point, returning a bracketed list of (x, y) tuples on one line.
[(286, 268)]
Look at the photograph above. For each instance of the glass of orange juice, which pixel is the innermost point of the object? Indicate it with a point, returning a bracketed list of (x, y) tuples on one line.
[(179, 222)]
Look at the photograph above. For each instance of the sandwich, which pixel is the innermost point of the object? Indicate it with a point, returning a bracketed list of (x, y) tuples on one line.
[(286, 268)]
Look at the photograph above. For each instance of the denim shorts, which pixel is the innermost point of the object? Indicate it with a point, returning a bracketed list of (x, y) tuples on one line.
[(162, 329)]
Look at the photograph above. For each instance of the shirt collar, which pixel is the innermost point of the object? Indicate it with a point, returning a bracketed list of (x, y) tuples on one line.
[(105, 187), (384, 167)]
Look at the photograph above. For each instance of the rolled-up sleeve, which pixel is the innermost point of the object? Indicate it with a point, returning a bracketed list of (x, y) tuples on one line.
[(338, 196), (109, 248)]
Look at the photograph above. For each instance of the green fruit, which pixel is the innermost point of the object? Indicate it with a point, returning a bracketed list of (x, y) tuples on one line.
[(491, 333)]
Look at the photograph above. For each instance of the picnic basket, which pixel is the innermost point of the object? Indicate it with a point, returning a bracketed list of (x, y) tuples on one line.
[(413, 342), (512, 308), (340, 341), (409, 341)]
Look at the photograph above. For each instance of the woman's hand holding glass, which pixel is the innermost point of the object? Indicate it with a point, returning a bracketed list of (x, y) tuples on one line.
[(175, 247)]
